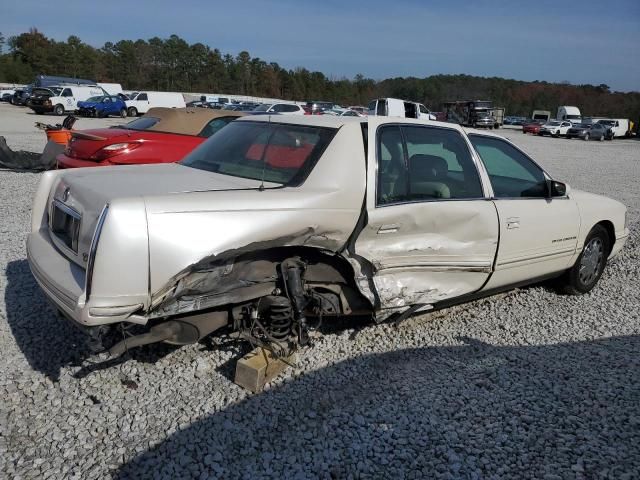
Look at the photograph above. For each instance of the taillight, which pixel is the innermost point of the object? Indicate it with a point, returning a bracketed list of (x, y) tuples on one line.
[(115, 149)]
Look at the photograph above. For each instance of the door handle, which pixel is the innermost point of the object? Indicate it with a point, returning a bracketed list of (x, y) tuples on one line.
[(390, 228), (513, 222)]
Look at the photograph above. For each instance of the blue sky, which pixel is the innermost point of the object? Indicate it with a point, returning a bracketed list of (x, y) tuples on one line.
[(583, 41)]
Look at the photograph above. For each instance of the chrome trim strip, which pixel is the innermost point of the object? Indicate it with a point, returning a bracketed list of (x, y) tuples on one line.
[(92, 251), (568, 251)]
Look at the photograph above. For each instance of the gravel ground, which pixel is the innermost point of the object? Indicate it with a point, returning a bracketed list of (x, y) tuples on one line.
[(528, 384)]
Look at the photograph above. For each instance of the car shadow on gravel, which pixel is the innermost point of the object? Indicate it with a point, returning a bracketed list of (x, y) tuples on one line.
[(48, 341), (471, 411)]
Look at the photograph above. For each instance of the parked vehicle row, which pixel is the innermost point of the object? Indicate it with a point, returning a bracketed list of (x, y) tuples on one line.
[(603, 129)]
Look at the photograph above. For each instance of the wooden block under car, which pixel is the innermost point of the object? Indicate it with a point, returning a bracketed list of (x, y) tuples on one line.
[(259, 367)]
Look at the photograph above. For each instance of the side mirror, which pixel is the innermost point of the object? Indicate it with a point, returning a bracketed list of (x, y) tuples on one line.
[(558, 189)]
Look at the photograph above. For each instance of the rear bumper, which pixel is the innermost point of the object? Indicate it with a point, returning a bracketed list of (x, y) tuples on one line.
[(63, 283)]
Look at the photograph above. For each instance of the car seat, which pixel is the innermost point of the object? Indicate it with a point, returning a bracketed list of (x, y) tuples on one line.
[(428, 176)]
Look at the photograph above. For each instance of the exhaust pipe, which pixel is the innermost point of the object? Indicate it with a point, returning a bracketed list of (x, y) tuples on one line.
[(180, 331)]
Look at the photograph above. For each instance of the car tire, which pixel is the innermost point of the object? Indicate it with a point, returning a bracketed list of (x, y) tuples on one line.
[(123, 113), (586, 137), (602, 138), (587, 270), (133, 112), (58, 110)]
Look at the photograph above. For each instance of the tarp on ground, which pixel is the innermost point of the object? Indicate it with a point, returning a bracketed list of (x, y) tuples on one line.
[(23, 160)]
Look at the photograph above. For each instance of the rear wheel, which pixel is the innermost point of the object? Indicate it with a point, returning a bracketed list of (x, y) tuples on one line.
[(133, 112), (123, 113), (586, 137), (58, 110), (586, 272), (602, 137)]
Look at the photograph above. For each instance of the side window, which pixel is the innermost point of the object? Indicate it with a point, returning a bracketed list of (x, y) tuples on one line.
[(372, 105), (512, 173), (381, 109), (67, 93), (424, 163), (142, 96), (423, 109), (277, 108), (214, 125), (291, 108)]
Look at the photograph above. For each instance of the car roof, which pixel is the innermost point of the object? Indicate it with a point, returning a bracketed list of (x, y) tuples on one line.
[(186, 121), (337, 121)]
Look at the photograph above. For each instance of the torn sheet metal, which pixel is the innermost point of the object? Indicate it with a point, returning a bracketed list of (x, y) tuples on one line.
[(427, 252)]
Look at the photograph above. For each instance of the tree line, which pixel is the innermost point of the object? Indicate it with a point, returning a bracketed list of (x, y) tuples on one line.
[(172, 64)]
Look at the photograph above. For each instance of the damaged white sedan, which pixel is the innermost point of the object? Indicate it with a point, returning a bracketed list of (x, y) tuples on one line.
[(276, 222)]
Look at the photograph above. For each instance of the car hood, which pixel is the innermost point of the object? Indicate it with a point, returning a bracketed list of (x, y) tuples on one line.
[(88, 190)]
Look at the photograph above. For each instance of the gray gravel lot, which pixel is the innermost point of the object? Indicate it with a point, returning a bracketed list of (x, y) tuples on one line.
[(528, 384)]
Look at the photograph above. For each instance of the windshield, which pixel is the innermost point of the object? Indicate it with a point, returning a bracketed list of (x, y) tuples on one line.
[(606, 122), (553, 124), (573, 117), (277, 153), (95, 99), (142, 123), (262, 108)]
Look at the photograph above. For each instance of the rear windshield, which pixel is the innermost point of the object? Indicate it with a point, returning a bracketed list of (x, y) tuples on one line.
[(142, 123), (272, 152)]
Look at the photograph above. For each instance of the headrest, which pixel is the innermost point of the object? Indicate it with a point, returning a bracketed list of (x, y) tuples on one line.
[(427, 167)]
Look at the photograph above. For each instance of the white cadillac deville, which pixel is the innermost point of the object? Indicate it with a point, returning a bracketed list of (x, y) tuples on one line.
[(276, 223)]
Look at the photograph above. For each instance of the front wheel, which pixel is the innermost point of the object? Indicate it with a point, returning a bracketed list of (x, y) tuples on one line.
[(58, 110), (132, 112), (586, 137), (586, 272)]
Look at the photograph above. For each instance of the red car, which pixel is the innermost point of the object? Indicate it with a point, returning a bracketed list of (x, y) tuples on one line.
[(162, 135), (532, 126)]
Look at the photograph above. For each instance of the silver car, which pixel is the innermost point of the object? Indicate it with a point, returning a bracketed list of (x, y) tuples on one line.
[(275, 225)]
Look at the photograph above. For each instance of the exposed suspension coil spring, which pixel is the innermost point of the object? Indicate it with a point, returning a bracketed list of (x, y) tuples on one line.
[(280, 316)]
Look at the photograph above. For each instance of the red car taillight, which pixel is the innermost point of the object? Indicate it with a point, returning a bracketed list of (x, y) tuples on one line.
[(115, 149)]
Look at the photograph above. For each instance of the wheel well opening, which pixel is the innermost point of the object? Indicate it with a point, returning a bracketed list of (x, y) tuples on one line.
[(611, 232)]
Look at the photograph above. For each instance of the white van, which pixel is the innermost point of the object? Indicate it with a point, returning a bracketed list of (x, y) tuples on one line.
[(394, 107), (111, 88), (620, 127), (142, 102), (570, 114), (66, 97)]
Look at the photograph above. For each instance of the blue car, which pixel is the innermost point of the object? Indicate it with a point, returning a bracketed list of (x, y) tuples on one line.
[(103, 106)]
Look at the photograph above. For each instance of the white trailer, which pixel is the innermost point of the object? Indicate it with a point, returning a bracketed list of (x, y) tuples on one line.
[(569, 114)]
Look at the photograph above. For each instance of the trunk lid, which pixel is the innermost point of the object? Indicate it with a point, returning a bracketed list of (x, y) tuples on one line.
[(81, 194)]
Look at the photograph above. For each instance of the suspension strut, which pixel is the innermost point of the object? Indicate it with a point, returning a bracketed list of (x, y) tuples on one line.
[(292, 270)]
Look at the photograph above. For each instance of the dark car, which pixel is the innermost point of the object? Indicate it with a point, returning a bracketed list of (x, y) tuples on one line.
[(21, 96), (587, 131)]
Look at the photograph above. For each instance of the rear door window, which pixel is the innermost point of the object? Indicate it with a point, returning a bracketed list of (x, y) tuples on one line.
[(424, 163)]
